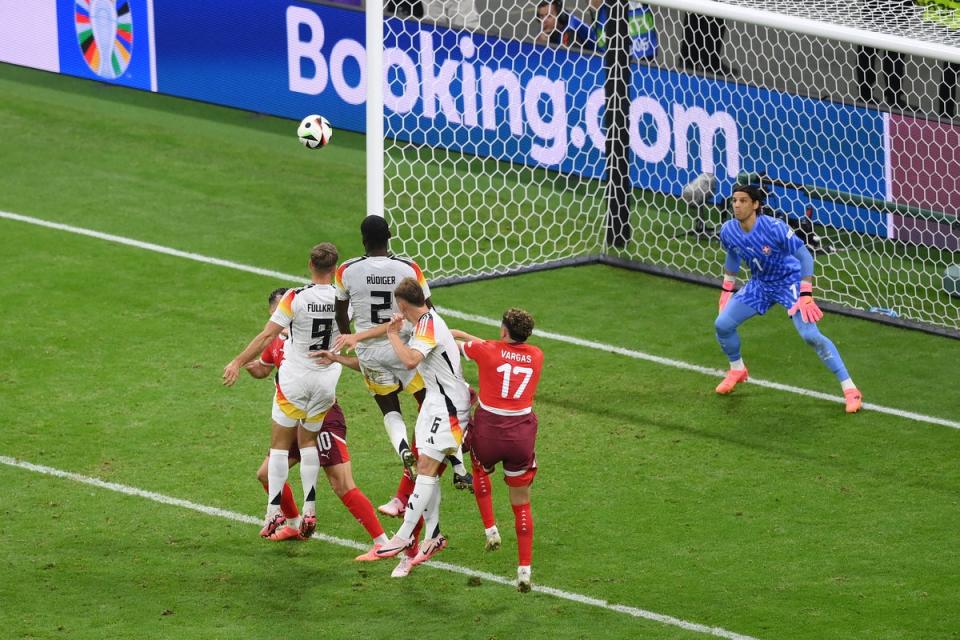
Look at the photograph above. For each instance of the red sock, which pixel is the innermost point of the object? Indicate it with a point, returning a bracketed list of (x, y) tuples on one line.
[(359, 505), (405, 488), (482, 491), (288, 505), (411, 551), (524, 525)]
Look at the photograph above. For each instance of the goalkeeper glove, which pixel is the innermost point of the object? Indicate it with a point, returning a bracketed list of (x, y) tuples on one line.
[(727, 292), (808, 309)]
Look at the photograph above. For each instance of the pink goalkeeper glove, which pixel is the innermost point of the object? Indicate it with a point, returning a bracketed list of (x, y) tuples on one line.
[(808, 309), (725, 295)]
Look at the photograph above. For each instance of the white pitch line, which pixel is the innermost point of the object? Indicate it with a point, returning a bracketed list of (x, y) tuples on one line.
[(559, 337), (483, 575)]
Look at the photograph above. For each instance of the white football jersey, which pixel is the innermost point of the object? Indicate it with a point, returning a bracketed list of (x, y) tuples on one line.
[(368, 283), (308, 313), (440, 368)]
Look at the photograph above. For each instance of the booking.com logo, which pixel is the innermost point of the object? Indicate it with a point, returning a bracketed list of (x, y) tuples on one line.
[(481, 91)]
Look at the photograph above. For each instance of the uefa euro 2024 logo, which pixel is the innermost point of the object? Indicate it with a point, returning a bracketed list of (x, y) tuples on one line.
[(105, 35)]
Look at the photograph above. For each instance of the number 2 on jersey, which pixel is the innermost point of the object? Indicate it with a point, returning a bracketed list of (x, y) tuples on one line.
[(322, 329), (375, 309), (506, 370)]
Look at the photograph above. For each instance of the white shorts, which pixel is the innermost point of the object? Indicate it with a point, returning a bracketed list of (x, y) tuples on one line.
[(438, 433), (383, 372), (305, 396)]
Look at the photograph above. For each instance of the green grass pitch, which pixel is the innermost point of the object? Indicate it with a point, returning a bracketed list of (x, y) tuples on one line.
[(767, 513)]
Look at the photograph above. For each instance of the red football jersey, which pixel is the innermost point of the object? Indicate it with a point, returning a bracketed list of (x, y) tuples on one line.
[(273, 354), (509, 374)]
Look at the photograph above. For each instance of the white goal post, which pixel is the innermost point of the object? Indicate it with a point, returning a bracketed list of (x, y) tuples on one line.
[(494, 147)]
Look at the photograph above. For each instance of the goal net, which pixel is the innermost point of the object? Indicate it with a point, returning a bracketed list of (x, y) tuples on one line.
[(501, 149)]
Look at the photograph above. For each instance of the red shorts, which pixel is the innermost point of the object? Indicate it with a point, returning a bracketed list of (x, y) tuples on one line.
[(331, 440), (494, 439)]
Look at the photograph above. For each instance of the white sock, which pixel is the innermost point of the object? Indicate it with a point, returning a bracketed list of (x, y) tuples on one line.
[(456, 460), (431, 516), (422, 495), (309, 471), (396, 431), (847, 384), (277, 471), (381, 539), (489, 531), (737, 365)]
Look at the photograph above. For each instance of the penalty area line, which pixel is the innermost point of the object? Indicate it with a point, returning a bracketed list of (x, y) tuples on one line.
[(558, 337), (351, 544)]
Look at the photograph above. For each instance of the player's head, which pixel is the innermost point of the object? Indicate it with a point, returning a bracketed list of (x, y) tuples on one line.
[(323, 258), (748, 200), (410, 298), (274, 298), (375, 233), (548, 11), (516, 324)]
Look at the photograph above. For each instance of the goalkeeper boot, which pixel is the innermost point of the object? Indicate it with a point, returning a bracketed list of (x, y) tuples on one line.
[(394, 508), (732, 379), (272, 522), (429, 548), (392, 548), (854, 400), (523, 579), (308, 525)]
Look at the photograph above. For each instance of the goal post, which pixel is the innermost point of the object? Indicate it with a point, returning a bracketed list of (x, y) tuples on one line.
[(504, 152)]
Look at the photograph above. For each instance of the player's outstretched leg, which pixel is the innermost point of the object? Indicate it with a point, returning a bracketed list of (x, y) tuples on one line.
[(732, 316), (830, 356), (288, 504)]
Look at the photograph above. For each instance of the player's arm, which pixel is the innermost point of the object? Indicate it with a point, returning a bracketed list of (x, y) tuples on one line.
[(408, 356), (463, 336), (805, 304), (270, 331), (329, 357), (730, 268), (348, 341), (341, 309), (258, 369)]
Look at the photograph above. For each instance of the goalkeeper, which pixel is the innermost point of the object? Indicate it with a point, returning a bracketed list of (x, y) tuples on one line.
[(781, 271)]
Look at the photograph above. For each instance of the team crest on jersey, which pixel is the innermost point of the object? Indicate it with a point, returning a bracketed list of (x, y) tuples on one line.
[(766, 250)]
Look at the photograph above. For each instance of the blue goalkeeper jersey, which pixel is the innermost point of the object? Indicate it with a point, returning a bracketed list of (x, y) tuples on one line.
[(767, 249)]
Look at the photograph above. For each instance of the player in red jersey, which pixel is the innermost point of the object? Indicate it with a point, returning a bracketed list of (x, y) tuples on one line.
[(504, 427), (333, 453)]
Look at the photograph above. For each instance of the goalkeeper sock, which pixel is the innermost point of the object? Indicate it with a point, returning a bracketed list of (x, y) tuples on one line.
[(847, 384), (826, 350)]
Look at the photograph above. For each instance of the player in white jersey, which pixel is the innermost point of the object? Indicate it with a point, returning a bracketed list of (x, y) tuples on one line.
[(306, 389), (366, 284), (443, 416)]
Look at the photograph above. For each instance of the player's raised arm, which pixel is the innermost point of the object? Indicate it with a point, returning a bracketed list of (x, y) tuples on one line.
[(463, 336), (270, 331), (410, 358)]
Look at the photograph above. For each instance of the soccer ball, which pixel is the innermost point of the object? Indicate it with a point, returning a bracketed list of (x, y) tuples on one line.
[(314, 132)]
